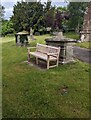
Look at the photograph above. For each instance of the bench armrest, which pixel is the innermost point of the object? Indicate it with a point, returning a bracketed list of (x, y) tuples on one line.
[(52, 54)]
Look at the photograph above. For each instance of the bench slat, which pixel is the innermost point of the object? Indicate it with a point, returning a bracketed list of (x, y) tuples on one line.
[(43, 56)]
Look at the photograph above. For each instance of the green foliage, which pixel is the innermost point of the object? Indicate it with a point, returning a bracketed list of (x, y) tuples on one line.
[(40, 16), (76, 10), (7, 27), (36, 15), (26, 15), (62, 9), (20, 18), (72, 35), (85, 45), (47, 6), (33, 14), (49, 17)]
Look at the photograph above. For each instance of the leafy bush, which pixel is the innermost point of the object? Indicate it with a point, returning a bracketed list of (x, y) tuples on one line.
[(7, 27), (37, 33)]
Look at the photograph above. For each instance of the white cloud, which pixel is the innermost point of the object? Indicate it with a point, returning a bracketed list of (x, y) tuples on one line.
[(9, 1), (15, 1), (8, 9), (58, 0), (8, 13)]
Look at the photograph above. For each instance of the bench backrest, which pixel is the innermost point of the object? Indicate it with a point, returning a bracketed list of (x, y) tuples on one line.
[(47, 49)]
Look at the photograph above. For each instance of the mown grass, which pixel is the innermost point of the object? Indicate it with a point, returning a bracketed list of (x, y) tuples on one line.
[(84, 45), (7, 39), (72, 35), (30, 92)]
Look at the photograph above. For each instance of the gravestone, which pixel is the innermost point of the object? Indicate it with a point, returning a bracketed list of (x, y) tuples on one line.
[(21, 38), (86, 32), (31, 34), (66, 47)]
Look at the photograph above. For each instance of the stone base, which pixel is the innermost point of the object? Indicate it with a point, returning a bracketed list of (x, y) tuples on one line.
[(66, 61)]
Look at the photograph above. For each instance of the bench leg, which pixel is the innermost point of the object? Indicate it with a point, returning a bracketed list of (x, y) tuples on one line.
[(47, 64), (57, 62), (36, 60), (28, 57)]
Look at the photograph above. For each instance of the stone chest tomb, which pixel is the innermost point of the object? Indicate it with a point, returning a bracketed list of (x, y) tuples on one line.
[(66, 47)]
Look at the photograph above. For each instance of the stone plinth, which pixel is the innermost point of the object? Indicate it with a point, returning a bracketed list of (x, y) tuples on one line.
[(66, 48)]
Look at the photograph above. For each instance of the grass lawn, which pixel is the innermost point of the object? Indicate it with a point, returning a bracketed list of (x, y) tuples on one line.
[(72, 35), (31, 92), (7, 39), (84, 45), (76, 36)]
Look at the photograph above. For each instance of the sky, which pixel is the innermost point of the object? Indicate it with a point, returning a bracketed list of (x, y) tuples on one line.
[(8, 4)]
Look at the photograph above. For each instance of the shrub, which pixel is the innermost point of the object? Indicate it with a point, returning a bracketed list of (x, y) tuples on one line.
[(37, 33)]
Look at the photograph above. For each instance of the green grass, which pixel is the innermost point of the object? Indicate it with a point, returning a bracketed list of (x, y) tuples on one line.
[(76, 36), (6, 39), (30, 92), (84, 45), (72, 35)]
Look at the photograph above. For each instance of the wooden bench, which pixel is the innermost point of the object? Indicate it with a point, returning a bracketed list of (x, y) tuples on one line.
[(45, 52)]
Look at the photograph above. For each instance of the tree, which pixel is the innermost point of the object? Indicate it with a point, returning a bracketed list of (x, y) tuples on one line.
[(36, 15), (26, 15), (20, 17), (55, 17), (58, 20), (76, 10), (49, 18), (36, 21), (47, 6), (7, 27)]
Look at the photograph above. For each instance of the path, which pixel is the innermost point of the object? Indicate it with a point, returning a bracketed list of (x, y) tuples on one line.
[(82, 54)]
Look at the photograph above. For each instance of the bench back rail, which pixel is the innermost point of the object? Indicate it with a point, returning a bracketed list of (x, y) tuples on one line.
[(47, 49)]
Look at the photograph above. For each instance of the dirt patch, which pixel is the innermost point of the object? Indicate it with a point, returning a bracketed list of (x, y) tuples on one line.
[(41, 64), (63, 90)]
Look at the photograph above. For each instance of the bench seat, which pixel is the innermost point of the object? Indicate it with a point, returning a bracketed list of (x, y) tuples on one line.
[(43, 56)]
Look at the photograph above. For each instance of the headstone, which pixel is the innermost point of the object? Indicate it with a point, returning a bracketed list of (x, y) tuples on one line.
[(31, 34), (58, 36), (21, 38)]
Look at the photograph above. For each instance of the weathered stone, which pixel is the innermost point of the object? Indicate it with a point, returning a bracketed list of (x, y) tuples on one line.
[(66, 48), (86, 32), (21, 38)]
